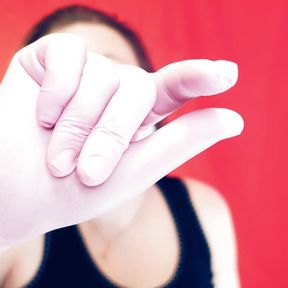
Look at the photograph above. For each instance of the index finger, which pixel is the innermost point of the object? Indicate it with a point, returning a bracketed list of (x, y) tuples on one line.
[(56, 63)]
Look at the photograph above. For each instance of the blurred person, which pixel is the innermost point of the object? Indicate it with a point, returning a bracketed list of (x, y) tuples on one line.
[(178, 233)]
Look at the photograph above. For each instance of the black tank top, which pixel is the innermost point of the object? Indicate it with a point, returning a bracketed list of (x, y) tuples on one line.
[(66, 262)]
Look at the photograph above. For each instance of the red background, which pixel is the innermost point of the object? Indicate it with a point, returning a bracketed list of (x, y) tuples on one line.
[(249, 170)]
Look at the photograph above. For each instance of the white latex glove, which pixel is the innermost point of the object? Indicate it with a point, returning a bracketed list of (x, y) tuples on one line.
[(76, 89)]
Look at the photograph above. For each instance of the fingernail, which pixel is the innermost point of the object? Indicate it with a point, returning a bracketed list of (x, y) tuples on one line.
[(228, 70), (63, 163)]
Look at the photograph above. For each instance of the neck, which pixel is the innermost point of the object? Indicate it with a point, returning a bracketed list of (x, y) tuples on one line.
[(111, 225)]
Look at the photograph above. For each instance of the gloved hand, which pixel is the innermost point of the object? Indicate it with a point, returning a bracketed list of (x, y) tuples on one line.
[(98, 108)]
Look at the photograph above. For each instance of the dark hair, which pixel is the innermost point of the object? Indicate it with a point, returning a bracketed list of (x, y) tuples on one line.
[(78, 13)]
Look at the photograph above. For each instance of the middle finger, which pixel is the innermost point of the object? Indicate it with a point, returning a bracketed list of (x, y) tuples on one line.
[(99, 82), (122, 117)]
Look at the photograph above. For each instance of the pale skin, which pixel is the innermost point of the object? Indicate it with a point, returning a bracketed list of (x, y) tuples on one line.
[(132, 223)]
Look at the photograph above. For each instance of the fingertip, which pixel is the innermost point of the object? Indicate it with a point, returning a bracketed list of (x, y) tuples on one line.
[(143, 132), (238, 123), (48, 117), (92, 171), (62, 164), (227, 70), (46, 123), (231, 122)]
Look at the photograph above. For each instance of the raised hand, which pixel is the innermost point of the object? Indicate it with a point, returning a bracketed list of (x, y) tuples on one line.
[(97, 107), (112, 104)]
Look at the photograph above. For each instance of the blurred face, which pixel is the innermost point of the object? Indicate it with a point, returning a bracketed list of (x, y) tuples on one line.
[(102, 39)]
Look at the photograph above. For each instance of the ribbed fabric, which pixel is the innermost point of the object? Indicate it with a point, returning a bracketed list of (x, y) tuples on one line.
[(66, 262)]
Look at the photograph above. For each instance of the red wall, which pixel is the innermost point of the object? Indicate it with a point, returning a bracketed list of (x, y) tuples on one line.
[(249, 170)]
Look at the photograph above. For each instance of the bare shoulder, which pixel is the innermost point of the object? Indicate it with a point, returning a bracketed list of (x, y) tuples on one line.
[(216, 220), (21, 263), (6, 260), (208, 197)]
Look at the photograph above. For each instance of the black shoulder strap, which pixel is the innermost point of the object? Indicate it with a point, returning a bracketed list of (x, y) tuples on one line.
[(195, 266)]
